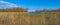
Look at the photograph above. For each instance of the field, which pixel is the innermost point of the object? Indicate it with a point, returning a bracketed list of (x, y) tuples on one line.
[(23, 18)]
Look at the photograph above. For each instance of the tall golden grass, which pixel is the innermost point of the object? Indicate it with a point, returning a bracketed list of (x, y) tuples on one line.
[(23, 18)]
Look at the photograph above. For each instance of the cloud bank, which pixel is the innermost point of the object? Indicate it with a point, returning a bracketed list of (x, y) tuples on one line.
[(8, 4)]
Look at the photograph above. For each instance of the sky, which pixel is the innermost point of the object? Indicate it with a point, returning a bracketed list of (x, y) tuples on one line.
[(35, 4)]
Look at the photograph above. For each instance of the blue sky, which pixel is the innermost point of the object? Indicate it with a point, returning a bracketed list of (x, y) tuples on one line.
[(36, 4)]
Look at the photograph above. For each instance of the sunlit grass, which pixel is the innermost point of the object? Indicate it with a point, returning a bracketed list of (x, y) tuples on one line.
[(23, 18)]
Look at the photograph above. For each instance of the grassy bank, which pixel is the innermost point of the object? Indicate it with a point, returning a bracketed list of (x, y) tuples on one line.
[(19, 18)]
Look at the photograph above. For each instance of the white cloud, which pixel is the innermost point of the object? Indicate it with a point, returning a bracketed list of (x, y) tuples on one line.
[(8, 4), (31, 10)]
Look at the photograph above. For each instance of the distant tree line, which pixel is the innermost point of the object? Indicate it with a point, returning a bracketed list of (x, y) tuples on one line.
[(13, 10), (18, 9), (46, 10)]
